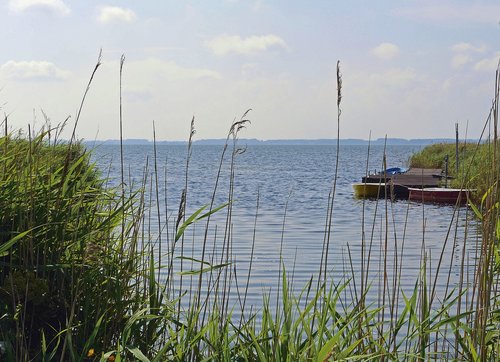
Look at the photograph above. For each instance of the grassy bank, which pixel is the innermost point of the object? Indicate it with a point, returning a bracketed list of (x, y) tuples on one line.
[(83, 277), (476, 164), (67, 269)]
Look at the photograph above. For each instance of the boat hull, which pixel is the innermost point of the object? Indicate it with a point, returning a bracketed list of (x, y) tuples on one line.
[(369, 190), (439, 195), (379, 190)]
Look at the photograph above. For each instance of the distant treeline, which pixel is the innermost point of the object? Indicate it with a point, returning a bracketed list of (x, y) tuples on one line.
[(325, 141)]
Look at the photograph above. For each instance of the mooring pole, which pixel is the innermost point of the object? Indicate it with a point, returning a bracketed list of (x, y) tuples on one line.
[(446, 171), (456, 149)]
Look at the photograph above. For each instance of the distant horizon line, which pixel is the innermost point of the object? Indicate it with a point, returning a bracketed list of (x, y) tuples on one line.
[(291, 141)]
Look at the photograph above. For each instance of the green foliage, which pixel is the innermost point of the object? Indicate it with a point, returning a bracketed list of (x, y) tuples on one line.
[(474, 170), (65, 264), (433, 156)]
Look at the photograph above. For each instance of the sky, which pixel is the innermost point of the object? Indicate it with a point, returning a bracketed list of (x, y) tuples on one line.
[(410, 69)]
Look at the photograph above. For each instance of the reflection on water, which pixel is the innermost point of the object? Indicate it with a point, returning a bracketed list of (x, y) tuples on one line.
[(300, 179)]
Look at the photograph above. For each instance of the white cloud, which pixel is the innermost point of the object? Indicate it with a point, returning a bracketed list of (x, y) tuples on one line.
[(52, 6), (250, 70), (386, 51), (257, 6), (459, 60), (138, 95), (157, 69), (394, 77), (225, 44), (465, 53), (488, 64), (448, 11), (467, 47), (111, 14), (32, 70), (174, 71)]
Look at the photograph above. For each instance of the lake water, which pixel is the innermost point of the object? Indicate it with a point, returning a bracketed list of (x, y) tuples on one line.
[(298, 179)]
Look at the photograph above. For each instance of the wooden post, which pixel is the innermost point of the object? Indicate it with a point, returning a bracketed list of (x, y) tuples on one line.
[(456, 149), (446, 171)]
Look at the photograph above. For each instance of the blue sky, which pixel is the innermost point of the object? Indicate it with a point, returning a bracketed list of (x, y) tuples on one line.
[(411, 69)]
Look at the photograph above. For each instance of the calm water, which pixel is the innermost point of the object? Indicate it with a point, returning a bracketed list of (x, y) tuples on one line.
[(300, 177)]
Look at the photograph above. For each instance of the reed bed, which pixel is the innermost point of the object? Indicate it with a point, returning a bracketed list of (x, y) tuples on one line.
[(84, 275)]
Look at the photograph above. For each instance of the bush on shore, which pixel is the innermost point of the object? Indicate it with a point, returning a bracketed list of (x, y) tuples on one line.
[(475, 165), (66, 264)]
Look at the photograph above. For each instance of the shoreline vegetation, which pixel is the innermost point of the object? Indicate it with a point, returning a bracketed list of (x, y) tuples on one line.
[(473, 169), (83, 278)]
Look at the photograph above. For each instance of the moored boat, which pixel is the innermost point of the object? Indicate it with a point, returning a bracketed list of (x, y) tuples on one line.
[(394, 171), (439, 195), (369, 190)]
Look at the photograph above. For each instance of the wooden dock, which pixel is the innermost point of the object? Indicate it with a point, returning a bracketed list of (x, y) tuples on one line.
[(397, 185), (414, 177)]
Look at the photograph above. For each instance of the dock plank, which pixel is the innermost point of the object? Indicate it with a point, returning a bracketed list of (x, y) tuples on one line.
[(415, 177), (424, 171)]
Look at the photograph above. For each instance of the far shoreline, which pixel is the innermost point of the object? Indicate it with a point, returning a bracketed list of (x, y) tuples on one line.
[(291, 142)]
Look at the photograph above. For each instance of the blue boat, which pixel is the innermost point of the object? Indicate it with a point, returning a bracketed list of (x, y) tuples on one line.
[(394, 171)]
